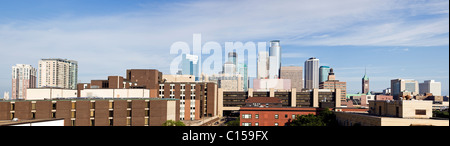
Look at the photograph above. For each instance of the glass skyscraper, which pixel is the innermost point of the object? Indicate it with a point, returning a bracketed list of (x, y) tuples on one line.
[(312, 73), (323, 73)]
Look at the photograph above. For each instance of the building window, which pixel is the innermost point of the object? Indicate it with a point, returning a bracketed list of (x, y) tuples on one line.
[(13, 106), (246, 124), (74, 105), (293, 116), (92, 123), (111, 122), (256, 124), (33, 106), (92, 105), (111, 114), (73, 122), (54, 106), (53, 114), (285, 115), (128, 104), (256, 116), (128, 122), (276, 116), (92, 114), (276, 124), (111, 105), (33, 115), (421, 112), (73, 114), (246, 116)]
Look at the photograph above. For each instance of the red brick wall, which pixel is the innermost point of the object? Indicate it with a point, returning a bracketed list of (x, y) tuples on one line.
[(267, 115)]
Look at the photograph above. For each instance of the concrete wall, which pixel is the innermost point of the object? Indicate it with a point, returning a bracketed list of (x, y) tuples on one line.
[(47, 93), (116, 93)]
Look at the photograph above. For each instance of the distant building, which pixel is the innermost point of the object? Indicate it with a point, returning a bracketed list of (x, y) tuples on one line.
[(263, 65), (190, 65), (295, 74), (23, 77), (403, 87), (274, 59), (365, 84), (323, 73), (6, 96), (59, 73), (430, 86), (332, 83), (311, 73)]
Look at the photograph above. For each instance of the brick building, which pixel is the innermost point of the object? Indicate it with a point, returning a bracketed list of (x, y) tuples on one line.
[(256, 116), (94, 112)]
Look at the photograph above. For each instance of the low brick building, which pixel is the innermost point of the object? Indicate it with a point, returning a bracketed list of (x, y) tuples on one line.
[(95, 112)]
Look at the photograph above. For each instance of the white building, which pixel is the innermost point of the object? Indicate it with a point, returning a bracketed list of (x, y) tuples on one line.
[(404, 85), (274, 59), (116, 93), (311, 73), (430, 86), (60, 73), (267, 84), (23, 77), (263, 65), (5, 95), (50, 93)]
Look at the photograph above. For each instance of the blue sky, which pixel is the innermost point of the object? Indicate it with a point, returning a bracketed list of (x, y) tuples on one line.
[(393, 39)]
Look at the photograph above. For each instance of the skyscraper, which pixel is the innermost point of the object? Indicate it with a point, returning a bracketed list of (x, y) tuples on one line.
[(430, 86), (295, 74), (189, 65), (232, 57), (312, 73), (263, 65), (365, 83), (274, 59), (61, 73), (323, 73), (23, 77)]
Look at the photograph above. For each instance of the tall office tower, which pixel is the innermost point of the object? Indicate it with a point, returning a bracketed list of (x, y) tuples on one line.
[(312, 73), (243, 71), (274, 59), (61, 73), (400, 87), (232, 57), (295, 73), (23, 77), (430, 86), (323, 73), (190, 65), (263, 65), (365, 83)]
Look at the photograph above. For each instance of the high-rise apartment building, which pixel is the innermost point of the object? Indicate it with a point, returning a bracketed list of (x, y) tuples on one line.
[(61, 73), (23, 77), (430, 86), (323, 73), (312, 73), (404, 85), (263, 65), (295, 74), (274, 59)]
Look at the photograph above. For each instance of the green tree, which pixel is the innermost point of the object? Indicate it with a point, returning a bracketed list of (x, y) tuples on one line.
[(236, 122), (173, 123), (324, 118)]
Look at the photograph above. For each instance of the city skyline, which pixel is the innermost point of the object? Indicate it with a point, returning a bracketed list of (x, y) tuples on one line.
[(403, 39)]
